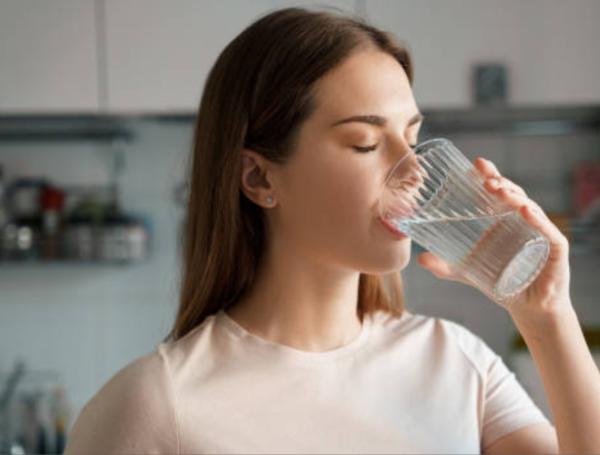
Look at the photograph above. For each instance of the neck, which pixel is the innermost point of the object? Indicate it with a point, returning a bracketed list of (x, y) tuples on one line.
[(300, 303)]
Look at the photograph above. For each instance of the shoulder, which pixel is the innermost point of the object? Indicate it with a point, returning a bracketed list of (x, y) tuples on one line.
[(198, 347), (472, 346), (440, 335), (144, 377), (133, 412), (411, 323)]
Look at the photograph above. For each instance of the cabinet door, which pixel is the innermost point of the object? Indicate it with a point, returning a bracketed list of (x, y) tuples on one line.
[(48, 56), (160, 52), (546, 46)]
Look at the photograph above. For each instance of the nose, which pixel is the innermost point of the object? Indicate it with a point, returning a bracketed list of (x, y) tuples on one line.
[(403, 164), (401, 148)]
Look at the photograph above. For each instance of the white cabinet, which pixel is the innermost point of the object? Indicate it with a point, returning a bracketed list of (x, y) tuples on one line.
[(127, 56), (549, 47), (48, 56), (119, 56), (159, 52)]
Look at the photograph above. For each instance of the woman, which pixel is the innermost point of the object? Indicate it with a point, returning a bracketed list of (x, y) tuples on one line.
[(287, 339)]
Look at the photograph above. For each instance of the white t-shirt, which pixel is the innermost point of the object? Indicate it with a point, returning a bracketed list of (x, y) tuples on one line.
[(414, 384)]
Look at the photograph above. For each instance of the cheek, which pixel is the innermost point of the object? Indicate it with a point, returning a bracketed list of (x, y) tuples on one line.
[(348, 200), (331, 213), (327, 207)]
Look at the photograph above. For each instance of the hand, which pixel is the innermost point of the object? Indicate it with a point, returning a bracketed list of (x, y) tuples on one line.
[(549, 293)]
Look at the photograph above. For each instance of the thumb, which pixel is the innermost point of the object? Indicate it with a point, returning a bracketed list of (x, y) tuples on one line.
[(438, 267)]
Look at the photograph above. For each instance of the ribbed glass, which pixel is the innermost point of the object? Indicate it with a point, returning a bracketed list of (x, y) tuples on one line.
[(436, 197)]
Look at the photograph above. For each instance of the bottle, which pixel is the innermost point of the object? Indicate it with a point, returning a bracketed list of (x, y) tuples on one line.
[(60, 414), (3, 214), (52, 202)]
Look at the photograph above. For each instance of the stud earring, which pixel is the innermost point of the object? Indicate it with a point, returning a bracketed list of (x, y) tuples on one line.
[(269, 200)]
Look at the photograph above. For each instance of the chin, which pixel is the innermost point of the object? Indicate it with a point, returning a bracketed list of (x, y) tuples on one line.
[(388, 260)]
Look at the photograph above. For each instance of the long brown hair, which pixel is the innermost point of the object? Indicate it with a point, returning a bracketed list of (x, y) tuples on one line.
[(256, 96)]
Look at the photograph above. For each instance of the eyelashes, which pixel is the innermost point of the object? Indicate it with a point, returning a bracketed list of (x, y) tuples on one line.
[(367, 149), (370, 148)]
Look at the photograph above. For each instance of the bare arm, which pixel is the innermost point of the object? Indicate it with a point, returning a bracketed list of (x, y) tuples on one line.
[(570, 377), (534, 439), (546, 319)]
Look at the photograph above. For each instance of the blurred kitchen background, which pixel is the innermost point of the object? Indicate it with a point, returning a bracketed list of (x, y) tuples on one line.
[(97, 103)]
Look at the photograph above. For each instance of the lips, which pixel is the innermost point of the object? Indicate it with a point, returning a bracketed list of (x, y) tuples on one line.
[(390, 227)]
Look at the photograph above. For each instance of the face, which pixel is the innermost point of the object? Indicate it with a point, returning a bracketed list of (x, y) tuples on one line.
[(328, 192)]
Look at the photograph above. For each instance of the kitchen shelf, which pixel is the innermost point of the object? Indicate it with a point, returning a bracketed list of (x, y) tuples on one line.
[(508, 120), (513, 121), (64, 128), (67, 262)]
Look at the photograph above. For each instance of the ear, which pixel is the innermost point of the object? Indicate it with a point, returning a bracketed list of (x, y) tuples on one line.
[(256, 179)]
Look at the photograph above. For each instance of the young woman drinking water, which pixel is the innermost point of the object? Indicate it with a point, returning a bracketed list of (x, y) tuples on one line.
[(291, 334)]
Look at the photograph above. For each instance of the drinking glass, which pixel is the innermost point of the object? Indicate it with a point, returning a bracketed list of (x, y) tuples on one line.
[(436, 197)]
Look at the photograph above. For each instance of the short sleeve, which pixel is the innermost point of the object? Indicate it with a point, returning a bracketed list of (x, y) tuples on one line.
[(504, 403), (134, 412), (507, 406)]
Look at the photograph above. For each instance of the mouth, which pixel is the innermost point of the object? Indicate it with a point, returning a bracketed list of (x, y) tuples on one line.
[(392, 229)]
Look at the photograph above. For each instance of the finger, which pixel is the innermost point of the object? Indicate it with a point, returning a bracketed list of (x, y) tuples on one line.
[(486, 167), (533, 214), (493, 179), (494, 184), (512, 197), (536, 217), (434, 264), (438, 267), (515, 199)]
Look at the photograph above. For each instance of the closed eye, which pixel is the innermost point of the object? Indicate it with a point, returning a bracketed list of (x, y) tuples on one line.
[(370, 148), (366, 149)]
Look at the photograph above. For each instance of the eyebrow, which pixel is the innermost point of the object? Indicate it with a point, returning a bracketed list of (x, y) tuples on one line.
[(377, 120)]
